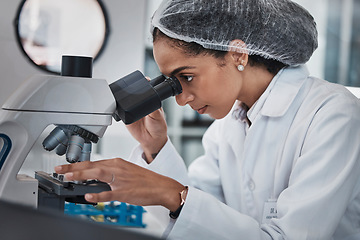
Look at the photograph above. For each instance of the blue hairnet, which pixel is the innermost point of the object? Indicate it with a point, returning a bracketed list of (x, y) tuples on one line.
[(275, 29)]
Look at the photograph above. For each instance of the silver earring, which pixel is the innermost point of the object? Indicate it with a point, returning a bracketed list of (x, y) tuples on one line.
[(241, 67)]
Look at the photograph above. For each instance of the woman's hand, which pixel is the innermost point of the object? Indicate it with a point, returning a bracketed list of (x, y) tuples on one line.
[(150, 132), (129, 183)]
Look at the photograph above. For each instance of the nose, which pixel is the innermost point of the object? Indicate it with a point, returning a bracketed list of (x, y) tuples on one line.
[(184, 98)]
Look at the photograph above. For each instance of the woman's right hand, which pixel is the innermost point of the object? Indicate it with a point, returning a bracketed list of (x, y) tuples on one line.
[(150, 132), (128, 182)]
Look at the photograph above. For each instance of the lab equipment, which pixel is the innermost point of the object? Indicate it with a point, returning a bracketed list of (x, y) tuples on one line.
[(81, 108), (116, 213), (14, 225), (275, 29)]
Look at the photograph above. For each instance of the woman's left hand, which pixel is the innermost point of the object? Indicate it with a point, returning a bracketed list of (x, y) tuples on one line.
[(129, 182)]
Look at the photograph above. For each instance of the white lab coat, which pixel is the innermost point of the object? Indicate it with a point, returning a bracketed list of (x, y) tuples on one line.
[(302, 153)]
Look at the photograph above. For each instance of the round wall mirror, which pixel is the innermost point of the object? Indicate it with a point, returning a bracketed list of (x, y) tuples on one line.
[(48, 29)]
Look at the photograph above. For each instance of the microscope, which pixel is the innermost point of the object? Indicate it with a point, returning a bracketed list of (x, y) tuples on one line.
[(81, 108)]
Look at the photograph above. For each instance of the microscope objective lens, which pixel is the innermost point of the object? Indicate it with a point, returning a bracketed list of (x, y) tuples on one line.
[(75, 148), (56, 137)]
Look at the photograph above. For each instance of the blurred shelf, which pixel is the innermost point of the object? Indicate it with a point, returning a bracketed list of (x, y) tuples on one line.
[(187, 131), (197, 123)]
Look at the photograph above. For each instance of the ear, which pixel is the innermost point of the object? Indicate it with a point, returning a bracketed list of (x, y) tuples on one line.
[(238, 52)]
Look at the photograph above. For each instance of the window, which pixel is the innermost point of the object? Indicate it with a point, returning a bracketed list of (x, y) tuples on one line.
[(342, 55)]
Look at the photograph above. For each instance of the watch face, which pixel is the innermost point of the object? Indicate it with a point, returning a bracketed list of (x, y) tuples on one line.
[(183, 195)]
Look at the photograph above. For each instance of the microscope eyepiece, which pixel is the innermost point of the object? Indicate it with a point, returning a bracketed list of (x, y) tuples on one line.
[(137, 97), (167, 87), (157, 80)]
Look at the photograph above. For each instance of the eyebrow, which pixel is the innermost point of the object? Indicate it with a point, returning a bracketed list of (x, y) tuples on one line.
[(179, 69)]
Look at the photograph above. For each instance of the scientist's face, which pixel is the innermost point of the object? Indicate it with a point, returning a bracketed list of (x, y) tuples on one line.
[(210, 85)]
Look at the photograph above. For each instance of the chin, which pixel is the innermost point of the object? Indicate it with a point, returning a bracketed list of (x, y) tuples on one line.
[(220, 114), (217, 116)]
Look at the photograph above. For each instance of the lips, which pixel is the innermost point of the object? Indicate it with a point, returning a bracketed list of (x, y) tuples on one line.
[(202, 110)]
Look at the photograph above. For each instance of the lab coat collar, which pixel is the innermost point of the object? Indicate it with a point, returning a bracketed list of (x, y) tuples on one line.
[(284, 90)]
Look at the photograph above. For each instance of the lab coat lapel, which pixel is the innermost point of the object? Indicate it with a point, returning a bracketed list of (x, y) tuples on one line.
[(274, 103), (278, 99), (283, 93)]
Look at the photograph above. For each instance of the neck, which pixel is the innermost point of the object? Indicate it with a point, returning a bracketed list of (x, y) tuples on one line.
[(256, 80)]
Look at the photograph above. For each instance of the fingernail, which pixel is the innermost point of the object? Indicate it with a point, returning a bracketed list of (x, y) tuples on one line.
[(69, 175), (58, 168), (89, 196)]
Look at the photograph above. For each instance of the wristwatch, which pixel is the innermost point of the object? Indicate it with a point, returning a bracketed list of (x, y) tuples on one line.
[(176, 213)]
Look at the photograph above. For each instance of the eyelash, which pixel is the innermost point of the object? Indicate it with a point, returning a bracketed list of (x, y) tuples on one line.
[(188, 78)]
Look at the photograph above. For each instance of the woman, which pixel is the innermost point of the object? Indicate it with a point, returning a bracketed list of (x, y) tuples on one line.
[(282, 157)]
